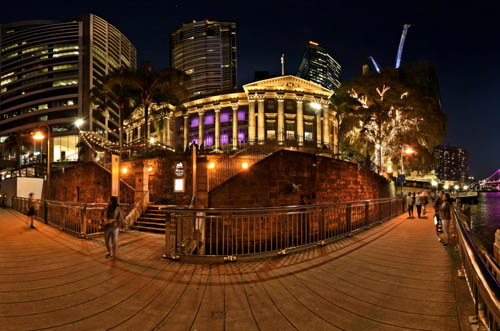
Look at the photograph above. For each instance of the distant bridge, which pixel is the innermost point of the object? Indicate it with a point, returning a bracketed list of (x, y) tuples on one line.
[(492, 182)]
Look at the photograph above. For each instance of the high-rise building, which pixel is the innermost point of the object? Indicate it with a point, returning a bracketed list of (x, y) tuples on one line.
[(206, 51), (319, 67), (47, 69), (453, 163)]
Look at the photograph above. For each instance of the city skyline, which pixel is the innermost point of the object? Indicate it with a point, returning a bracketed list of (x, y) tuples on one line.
[(438, 33)]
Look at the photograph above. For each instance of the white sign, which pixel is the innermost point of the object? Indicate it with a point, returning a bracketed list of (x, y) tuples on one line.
[(179, 185), (179, 169), (115, 175)]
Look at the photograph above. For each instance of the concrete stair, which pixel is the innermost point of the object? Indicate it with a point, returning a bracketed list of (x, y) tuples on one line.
[(153, 220)]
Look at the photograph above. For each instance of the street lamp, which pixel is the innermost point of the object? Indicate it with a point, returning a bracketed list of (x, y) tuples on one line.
[(409, 151), (39, 136), (446, 187), (79, 122)]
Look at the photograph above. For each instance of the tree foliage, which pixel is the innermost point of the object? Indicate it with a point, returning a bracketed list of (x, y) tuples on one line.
[(379, 114)]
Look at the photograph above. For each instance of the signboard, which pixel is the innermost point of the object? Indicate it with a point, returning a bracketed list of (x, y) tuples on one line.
[(115, 175), (179, 179)]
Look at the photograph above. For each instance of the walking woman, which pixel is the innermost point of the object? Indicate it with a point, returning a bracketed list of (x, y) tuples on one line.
[(32, 208), (445, 215), (418, 203), (111, 226), (409, 204)]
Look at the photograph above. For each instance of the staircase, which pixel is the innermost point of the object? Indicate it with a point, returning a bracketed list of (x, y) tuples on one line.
[(153, 220)]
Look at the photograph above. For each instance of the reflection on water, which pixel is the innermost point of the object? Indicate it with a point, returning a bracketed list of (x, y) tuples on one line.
[(485, 216)]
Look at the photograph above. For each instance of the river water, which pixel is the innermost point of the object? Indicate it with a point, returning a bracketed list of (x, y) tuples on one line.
[(485, 216)]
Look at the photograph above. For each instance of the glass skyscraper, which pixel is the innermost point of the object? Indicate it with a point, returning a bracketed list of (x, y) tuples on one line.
[(206, 51), (319, 67), (47, 69)]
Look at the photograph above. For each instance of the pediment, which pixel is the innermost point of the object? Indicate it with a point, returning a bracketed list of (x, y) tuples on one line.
[(287, 83)]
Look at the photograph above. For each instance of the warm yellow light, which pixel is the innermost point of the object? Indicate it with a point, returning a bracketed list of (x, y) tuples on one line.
[(315, 105), (244, 165), (409, 150), (446, 187), (466, 187), (38, 136), (389, 168), (152, 140), (150, 169), (434, 183), (211, 165), (313, 43), (124, 170), (456, 187), (79, 122)]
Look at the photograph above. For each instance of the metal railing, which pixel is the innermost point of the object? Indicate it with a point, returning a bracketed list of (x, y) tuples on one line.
[(228, 234), (137, 210), (81, 219), (481, 274)]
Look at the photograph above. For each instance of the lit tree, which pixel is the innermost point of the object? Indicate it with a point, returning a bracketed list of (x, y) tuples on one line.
[(388, 115)]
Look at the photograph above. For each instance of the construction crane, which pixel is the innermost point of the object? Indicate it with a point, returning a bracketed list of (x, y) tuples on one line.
[(377, 68), (400, 50), (401, 44)]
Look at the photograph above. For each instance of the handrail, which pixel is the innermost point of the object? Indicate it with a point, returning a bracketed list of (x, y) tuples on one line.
[(483, 285), (136, 211), (227, 234)]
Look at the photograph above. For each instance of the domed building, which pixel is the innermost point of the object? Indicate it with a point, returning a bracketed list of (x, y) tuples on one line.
[(284, 110)]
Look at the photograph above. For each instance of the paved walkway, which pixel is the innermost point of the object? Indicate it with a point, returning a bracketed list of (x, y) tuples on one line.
[(394, 276)]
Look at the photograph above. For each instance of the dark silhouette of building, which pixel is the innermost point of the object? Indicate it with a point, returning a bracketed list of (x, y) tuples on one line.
[(453, 163), (206, 51), (319, 67)]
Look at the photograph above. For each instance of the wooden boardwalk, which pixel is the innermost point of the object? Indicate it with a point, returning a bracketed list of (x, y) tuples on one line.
[(394, 276)]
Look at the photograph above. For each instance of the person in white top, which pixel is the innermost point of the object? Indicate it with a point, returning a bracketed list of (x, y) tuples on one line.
[(418, 203), (409, 204)]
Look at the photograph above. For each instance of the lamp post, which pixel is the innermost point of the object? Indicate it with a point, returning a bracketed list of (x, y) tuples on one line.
[(39, 136), (409, 151)]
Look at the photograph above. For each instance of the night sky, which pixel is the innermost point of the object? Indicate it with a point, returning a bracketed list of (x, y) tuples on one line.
[(461, 40)]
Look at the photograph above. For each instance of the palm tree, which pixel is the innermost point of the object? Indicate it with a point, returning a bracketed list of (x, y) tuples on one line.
[(157, 86)]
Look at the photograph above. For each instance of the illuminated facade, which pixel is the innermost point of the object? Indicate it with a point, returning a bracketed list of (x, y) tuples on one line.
[(206, 51), (47, 70), (319, 67), (453, 163), (284, 110)]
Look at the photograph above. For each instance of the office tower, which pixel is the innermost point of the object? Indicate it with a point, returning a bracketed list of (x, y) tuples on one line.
[(206, 51), (319, 67), (453, 163), (47, 69)]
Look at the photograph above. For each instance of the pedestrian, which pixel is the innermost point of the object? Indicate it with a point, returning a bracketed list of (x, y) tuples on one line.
[(32, 208), (409, 204), (111, 225), (425, 201), (445, 214), (418, 203), (437, 219)]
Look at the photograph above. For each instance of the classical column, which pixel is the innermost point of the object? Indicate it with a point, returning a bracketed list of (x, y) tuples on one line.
[(318, 126), (251, 118), (335, 134), (139, 133), (217, 127), (169, 132), (201, 128), (127, 135), (281, 119), (326, 122), (261, 119), (166, 130), (186, 118), (300, 119), (234, 106)]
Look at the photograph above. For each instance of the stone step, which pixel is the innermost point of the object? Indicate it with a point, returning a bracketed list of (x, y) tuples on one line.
[(148, 229), (155, 217), (150, 224)]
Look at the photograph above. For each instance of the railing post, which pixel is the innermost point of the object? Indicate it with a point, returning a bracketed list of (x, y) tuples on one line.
[(348, 218), (170, 237), (45, 213), (322, 225), (390, 203), (83, 223), (367, 213)]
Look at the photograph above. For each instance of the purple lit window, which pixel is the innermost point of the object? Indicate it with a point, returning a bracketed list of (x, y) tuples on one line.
[(224, 139), (242, 115), (224, 117), (209, 119), (241, 137), (195, 122), (209, 140), (195, 140)]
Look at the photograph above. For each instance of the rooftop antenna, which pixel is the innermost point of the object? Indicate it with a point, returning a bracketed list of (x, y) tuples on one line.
[(401, 44), (282, 64)]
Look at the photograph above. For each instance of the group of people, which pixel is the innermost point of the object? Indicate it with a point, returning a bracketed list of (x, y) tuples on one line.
[(418, 199), (442, 210)]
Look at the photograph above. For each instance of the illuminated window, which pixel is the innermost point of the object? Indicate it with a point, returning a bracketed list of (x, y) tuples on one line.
[(179, 185), (65, 148), (271, 134), (308, 136), (65, 82)]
